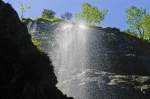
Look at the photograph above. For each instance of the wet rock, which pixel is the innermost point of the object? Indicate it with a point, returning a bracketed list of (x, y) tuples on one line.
[(107, 85), (143, 79), (145, 89)]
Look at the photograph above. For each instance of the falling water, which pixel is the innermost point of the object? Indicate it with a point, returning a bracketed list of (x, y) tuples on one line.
[(77, 54), (87, 60), (70, 54)]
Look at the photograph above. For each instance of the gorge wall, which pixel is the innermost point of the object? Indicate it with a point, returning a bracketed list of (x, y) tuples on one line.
[(25, 72), (115, 66), (120, 52)]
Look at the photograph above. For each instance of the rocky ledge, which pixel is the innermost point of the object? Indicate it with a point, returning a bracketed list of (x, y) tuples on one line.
[(94, 84)]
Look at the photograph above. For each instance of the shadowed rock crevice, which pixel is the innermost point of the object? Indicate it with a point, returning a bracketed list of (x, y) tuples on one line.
[(25, 72)]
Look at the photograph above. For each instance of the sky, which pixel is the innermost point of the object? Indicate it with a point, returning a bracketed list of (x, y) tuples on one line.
[(116, 17)]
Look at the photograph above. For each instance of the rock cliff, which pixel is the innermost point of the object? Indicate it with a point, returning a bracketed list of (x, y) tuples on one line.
[(25, 72), (117, 64)]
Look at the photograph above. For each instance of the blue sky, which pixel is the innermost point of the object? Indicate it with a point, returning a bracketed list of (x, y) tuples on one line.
[(116, 16)]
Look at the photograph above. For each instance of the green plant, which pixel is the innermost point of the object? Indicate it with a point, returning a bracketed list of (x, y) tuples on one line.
[(36, 43), (92, 14), (135, 18), (48, 13), (43, 20), (67, 16), (23, 9), (146, 27)]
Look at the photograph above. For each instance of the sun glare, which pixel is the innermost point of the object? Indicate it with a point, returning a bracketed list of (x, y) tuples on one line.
[(67, 26), (82, 26)]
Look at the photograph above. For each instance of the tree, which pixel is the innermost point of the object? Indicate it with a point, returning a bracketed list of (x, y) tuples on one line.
[(146, 27), (135, 18), (46, 13), (67, 16), (23, 9), (92, 14)]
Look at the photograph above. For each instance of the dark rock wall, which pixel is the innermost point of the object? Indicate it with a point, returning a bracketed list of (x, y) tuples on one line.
[(118, 52), (25, 72)]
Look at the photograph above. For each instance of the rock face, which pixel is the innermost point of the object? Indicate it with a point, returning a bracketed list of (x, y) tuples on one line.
[(43, 32), (118, 65), (95, 84), (25, 72), (118, 52)]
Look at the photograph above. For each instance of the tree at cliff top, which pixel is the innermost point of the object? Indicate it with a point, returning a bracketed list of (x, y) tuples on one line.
[(67, 16), (46, 13), (91, 14), (146, 26), (137, 20), (23, 9)]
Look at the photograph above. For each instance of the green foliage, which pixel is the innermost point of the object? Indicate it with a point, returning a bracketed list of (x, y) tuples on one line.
[(139, 22), (67, 16), (146, 26), (92, 14), (48, 13), (23, 6), (23, 9), (27, 20), (43, 20), (135, 18), (36, 43), (131, 33)]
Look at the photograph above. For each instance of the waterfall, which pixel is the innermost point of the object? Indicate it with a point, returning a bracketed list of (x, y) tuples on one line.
[(91, 63), (77, 56), (70, 55)]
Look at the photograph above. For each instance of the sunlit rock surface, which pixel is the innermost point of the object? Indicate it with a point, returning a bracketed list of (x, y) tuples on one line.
[(25, 72), (95, 63)]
